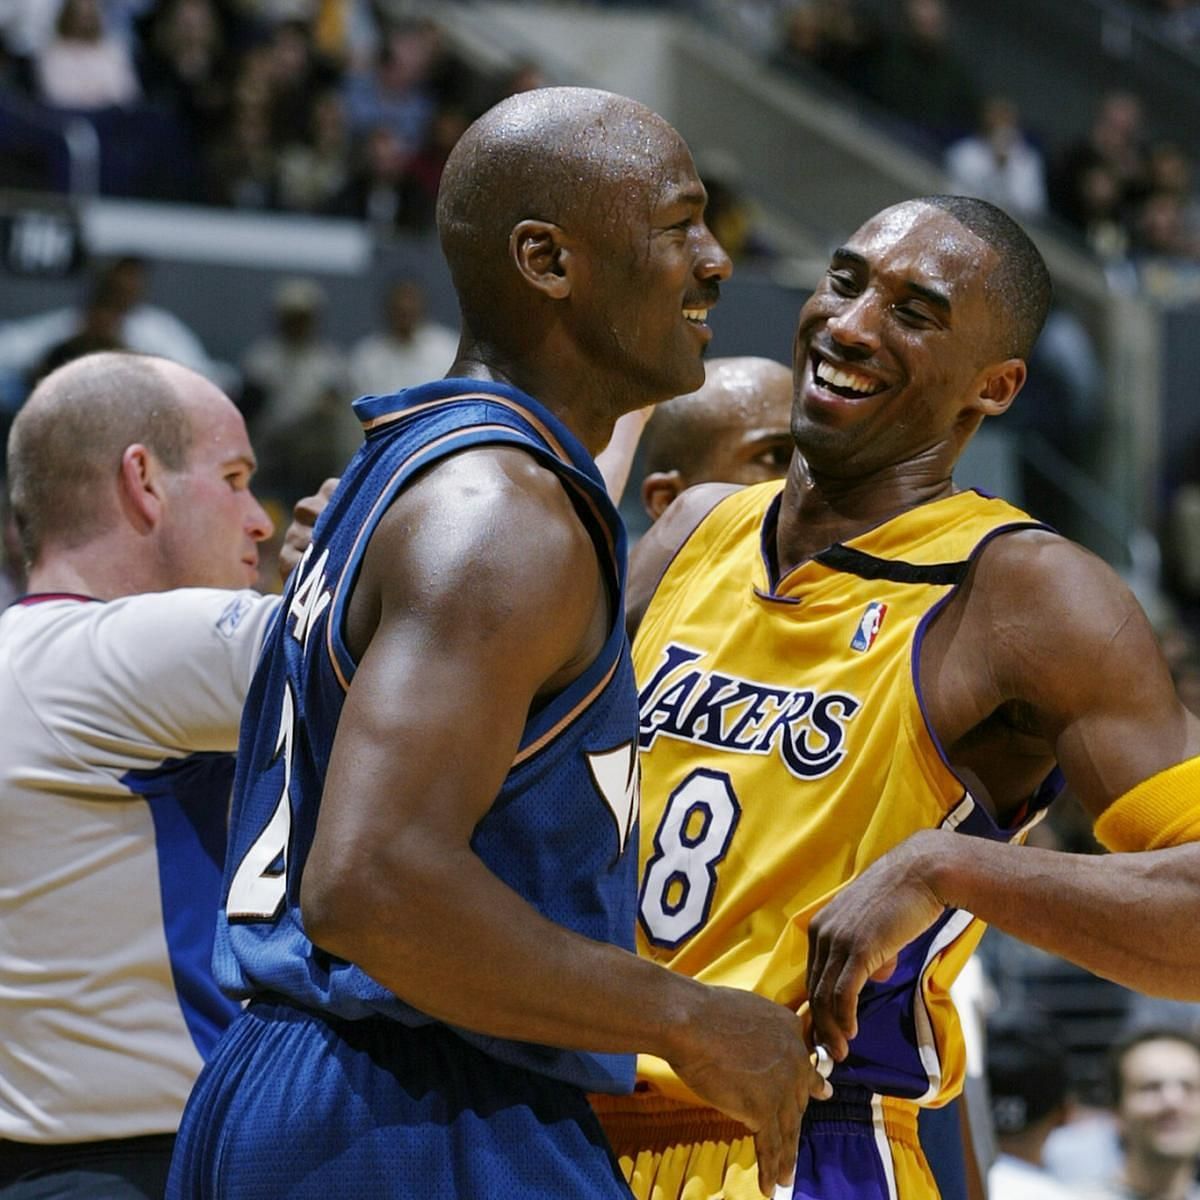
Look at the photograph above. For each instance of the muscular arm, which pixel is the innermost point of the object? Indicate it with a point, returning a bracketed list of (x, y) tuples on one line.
[(653, 553), (1047, 632), (481, 593)]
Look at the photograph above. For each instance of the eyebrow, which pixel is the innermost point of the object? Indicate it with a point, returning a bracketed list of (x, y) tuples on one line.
[(938, 299), (240, 460)]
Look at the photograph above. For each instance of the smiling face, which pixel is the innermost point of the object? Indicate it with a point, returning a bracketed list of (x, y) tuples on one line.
[(1159, 1107), (895, 351), (649, 269)]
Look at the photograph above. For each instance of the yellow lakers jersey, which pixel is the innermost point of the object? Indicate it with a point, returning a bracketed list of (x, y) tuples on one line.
[(784, 750)]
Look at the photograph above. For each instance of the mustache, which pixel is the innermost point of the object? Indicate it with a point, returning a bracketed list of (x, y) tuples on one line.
[(706, 297)]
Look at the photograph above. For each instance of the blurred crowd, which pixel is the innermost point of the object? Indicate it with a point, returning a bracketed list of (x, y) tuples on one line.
[(1127, 197), (340, 107)]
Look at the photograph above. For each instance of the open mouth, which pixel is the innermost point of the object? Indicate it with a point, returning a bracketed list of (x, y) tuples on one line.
[(696, 316), (844, 381)]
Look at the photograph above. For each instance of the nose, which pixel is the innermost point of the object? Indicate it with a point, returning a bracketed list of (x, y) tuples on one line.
[(712, 263), (854, 325), (258, 523)]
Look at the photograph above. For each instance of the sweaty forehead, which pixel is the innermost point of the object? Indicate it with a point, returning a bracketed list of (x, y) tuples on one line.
[(925, 245)]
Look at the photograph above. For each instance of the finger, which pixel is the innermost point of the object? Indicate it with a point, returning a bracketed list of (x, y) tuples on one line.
[(846, 990), (789, 1133), (883, 973), (817, 1084), (767, 1143), (327, 487), (827, 1029)]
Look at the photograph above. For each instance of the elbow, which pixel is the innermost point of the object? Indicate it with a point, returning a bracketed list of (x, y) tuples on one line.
[(327, 905)]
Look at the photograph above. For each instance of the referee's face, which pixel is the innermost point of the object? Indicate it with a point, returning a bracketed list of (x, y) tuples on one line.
[(213, 521)]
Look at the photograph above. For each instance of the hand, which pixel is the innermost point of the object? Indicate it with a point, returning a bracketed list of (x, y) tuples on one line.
[(299, 532), (858, 935), (750, 1061)]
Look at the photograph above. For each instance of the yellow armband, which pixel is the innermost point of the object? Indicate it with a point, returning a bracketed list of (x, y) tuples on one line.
[(1163, 810)]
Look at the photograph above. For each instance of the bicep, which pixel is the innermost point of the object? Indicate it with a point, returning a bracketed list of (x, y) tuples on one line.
[(1071, 643), (477, 617)]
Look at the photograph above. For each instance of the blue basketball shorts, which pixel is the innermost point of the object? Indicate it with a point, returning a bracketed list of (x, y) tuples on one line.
[(295, 1106)]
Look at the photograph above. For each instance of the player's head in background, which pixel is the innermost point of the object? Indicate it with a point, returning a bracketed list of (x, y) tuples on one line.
[(130, 474), (734, 429), (572, 221)]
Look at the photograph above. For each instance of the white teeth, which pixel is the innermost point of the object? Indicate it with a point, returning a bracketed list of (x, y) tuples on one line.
[(854, 382), (695, 314)]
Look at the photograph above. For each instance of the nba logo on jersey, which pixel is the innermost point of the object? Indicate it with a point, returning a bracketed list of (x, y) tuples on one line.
[(869, 625)]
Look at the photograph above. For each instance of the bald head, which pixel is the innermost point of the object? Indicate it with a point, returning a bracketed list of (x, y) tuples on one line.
[(734, 429), (65, 447), (575, 157)]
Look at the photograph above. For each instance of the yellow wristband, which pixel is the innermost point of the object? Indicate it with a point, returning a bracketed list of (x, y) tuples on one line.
[(1163, 810)]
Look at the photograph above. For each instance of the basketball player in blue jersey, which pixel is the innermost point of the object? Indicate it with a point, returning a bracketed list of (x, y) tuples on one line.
[(867, 666), (122, 677), (430, 890)]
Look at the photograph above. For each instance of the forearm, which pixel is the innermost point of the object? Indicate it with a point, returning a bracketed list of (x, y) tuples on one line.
[(451, 939), (615, 461), (1128, 917)]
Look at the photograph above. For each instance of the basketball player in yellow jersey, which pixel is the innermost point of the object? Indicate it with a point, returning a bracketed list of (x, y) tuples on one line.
[(863, 655)]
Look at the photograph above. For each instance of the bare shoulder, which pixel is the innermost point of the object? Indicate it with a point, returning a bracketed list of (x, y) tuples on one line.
[(654, 552), (1055, 623), (1053, 585), (487, 541)]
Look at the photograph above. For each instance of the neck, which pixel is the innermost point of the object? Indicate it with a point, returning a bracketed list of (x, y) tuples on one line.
[(584, 412), (819, 510), (1160, 1178), (100, 569)]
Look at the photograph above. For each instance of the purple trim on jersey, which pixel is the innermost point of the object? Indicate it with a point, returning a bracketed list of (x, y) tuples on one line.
[(188, 800), (42, 597), (980, 822)]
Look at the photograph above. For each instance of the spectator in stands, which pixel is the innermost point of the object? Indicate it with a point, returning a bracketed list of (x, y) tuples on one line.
[(186, 67), (314, 172), (831, 36), (1155, 1077), (295, 74), (380, 191), (296, 382), (1169, 170), (1115, 145), (920, 77), (410, 349), (1030, 1097), (1179, 21), (99, 329), (144, 327), (395, 95), (82, 66), (999, 163), (242, 165)]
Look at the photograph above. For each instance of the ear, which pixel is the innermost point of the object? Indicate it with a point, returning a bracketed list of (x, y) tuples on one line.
[(140, 488), (658, 490), (1000, 385), (542, 257)]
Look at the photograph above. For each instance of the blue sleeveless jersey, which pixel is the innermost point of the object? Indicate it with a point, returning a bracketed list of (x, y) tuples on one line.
[(562, 832)]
